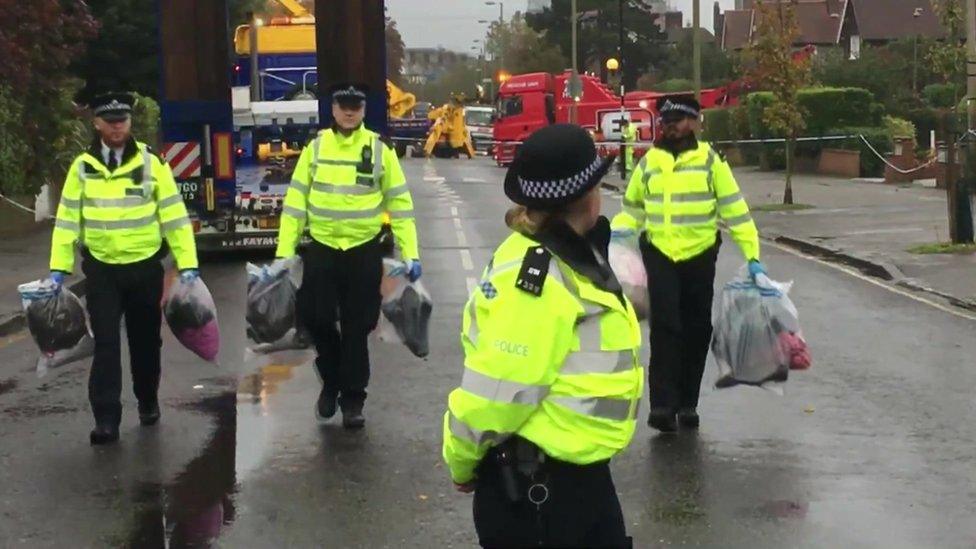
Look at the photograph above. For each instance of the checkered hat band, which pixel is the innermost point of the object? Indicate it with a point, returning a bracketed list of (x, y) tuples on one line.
[(559, 188), (349, 93), (671, 107), (114, 106)]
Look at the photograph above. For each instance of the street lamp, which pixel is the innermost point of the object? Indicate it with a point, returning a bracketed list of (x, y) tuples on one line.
[(501, 21), (915, 15)]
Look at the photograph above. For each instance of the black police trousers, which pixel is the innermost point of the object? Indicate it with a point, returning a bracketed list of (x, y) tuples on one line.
[(339, 303), (134, 291), (681, 324), (581, 510)]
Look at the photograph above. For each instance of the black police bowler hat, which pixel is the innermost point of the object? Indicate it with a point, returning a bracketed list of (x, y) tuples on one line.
[(113, 107), (676, 107), (555, 166), (348, 92)]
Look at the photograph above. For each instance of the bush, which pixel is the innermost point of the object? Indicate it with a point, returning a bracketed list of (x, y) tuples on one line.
[(718, 125), (825, 108), (925, 121), (942, 96), (14, 150), (674, 85), (899, 128), (145, 121), (880, 139)]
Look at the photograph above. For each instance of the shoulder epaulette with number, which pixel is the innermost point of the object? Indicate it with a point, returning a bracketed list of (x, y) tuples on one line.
[(535, 268)]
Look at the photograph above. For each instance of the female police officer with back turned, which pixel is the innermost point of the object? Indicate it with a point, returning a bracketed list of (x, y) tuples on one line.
[(551, 375)]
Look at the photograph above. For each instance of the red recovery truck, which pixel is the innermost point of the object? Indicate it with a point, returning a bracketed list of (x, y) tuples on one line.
[(527, 102)]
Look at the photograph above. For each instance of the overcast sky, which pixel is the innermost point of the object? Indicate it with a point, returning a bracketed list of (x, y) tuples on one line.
[(454, 24)]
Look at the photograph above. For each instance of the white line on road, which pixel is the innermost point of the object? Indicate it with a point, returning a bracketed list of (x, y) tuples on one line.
[(880, 284), (434, 179), (473, 180), (457, 223), (462, 240), (454, 211), (472, 284), (888, 231), (466, 261)]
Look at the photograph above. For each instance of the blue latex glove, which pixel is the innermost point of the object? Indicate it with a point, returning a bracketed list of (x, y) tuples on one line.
[(622, 233), (189, 275), (756, 268), (413, 270), (57, 277)]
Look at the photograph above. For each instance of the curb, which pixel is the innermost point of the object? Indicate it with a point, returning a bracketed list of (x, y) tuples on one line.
[(14, 322)]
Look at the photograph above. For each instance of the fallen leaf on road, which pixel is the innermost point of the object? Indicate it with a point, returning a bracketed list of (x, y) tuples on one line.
[(809, 409), (423, 497)]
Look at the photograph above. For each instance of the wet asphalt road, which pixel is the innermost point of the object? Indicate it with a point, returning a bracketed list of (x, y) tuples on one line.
[(871, 448)]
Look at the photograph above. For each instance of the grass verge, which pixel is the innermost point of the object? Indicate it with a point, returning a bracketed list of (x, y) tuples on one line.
[(943, 248)]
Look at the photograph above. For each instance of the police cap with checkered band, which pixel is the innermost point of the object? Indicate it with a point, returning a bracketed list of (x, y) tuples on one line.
[(674, 108), (555, 166), (351, 94), (113, 107)]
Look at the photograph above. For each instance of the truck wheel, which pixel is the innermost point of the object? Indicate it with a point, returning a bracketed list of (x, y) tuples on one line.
[(442, 150), (401, 149)]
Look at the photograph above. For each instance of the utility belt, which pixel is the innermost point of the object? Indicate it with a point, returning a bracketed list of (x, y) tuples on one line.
[(524, 469)]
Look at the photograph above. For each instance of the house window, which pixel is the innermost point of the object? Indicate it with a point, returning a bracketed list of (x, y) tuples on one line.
[(855, 47)]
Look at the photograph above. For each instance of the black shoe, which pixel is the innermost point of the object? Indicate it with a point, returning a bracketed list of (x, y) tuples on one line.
[(688, 418), (663, 420), (149, 414), (326, 406), (353, 418), (104, 433)]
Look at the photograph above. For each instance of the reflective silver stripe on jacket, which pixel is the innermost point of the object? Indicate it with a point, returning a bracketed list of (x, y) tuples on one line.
[(120, 223), (127, 202), (344, 214), (170, 201), (70, 203), (738, 220), (377, 160), (729, 200), (299, 186), (708, 167), (337, 162), (615, 409), (175, 224), (692, 197), (67, 225), (588, 330), (316, 143), (693, 219), (298, 214), (679, 169), (396, 191), (602, 362), (401, 214), (463, 431), (351, 190), (502, 390)]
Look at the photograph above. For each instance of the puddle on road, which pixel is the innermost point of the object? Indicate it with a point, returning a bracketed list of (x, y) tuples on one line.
[(193, 509)]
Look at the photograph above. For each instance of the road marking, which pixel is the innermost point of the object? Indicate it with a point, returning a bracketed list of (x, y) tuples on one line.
[(457, 223), (454, 211), (876, 282), (466, 261), (434, 179), (462, 240), (473, 180), (472, 284)]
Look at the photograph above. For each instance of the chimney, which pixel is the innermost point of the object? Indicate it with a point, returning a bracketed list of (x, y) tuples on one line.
[(718, 20)]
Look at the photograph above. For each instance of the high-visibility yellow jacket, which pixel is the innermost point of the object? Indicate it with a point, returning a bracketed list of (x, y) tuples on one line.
[(630, 137), (560, 369), (342, 199), (679, 200), (121, 216)]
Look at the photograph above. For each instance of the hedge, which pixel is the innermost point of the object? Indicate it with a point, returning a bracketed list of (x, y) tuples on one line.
[(824, 109), (880, 139), (674, 85), (942, 96), (718, 125)]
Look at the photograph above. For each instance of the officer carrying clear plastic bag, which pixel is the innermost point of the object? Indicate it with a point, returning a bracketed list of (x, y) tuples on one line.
[(757, 338), (405, 310), (191, 315), (58, 324), (272, 317), (625, 259)]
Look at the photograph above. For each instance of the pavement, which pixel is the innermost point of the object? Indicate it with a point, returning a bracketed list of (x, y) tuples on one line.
[(867, 225), (869, 448)]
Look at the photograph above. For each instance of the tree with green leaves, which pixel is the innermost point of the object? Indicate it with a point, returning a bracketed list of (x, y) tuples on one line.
[(948, 57), (395, 51), (598, 36), (522, 49), (773, 68)]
